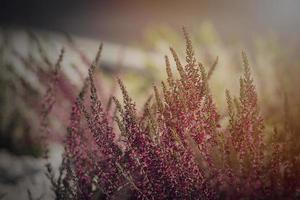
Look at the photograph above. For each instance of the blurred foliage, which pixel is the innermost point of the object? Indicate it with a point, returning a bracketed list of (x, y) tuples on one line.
[(15, 129), (27, 62)]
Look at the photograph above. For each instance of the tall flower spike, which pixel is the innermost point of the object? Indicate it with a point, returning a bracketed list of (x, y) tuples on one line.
[(166, 93), (49, 98), (203, 78), (128, 103), (90, 78), (146, 106), (169, 72), (59, 61), (212, 68), (94, 96), (178, 64), (151, 121), (247, 73), (83, 89), (97, 58), (118, 105), (230, 106), (190, 54), (158, 99), (242, 90), (99, 53), (237, 105), (121, 126)]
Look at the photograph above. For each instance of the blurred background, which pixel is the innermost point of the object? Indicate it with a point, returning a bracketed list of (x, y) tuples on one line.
[(136, 35), (126, 21)]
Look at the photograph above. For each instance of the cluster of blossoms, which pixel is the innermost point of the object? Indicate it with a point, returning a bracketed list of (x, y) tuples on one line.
[(176, 148)]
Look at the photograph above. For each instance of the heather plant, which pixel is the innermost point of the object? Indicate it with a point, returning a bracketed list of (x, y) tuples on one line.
[(274, 65), (176, 147)]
